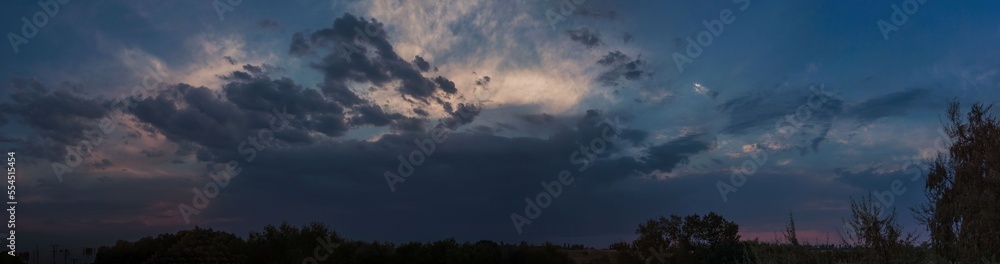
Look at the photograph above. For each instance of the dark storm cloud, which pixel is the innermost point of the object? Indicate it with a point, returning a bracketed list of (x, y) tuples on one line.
[(621, 67), (373, 115), (613, 58), (633, 136), (350, 39), (299, 47), (58, 114), (893, 104), (199, 116), (205, 119), (59, 118), (212, 123), (446, 85), (216, 122), (463, 114), (422, 64), (476, 165), (666, 156), (260, 93), (409, 125), (263, 94), (584, 36), (470, 177)]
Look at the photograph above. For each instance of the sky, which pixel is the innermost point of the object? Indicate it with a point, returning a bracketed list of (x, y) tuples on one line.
[(525, 120)]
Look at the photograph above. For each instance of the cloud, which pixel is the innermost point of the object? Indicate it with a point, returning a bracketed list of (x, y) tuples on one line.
[(355, 37), (666, 156), (299, 46), (888, 105), (58, 117), (466, 43), (421, 64), (373, 115), (446, 85), (621, 67), (268, 24), (811, 110), (584, 36)]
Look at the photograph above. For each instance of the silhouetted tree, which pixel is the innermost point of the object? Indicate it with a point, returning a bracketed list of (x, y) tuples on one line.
[(962, 212), (876, 238), (288, 244), (691, 239), (187, 246), (790, 235)]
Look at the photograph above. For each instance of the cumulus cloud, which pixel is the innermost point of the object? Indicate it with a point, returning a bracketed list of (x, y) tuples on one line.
[(621, 67), (585, 36)]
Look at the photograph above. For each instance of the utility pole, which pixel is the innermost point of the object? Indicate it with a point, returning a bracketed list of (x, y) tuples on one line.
[(54, 253)]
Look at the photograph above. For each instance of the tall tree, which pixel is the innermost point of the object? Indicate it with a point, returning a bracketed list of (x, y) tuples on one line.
[(962, 212)]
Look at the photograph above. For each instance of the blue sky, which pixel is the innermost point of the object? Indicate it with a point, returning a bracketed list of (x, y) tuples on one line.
[(520, 91)]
